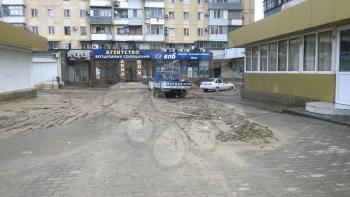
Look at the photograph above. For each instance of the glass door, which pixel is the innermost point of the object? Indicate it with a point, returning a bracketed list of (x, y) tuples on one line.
[(343, 67)]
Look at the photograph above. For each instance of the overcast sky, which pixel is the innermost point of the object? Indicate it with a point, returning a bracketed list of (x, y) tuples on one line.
[(259, 13)]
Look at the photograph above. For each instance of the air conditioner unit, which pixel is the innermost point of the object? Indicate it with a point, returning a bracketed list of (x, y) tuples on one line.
[(172, 50), (207, 14), (116, 3), (206, 29), (163, 50), (87, 13), (180, 50), (202, 49), (75, 28), (94, 46), (186, 50)]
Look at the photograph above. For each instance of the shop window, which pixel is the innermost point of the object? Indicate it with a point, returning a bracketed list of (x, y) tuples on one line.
[(263, 58), (309, 52), (255, 58), (294, 49), (272, 57), (325, 51), (282, 55), (248, 55)]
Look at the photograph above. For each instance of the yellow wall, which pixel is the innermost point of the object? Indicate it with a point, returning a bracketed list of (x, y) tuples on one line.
[(310, 14), (12, 36), (314, 86)]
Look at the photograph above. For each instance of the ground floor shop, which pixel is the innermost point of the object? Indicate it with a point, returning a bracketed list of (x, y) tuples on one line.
[(112, 66), (308, 61)]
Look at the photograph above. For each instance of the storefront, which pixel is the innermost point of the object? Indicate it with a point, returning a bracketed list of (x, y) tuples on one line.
[(79, 70), (301, 54), (111, 66)]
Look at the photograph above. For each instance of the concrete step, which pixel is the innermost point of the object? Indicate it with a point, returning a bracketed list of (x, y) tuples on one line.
[(328, 108)]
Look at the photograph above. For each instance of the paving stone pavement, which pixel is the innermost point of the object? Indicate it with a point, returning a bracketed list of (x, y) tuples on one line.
[(96, 157)]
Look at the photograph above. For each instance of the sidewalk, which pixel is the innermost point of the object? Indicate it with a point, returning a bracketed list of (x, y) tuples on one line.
[(299, 111)]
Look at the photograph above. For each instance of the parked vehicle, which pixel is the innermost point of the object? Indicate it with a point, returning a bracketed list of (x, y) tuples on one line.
[(216, 84), (167, 82)]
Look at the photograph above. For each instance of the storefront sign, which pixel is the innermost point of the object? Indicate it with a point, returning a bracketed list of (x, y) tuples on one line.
[(78, 55), (128, 54)]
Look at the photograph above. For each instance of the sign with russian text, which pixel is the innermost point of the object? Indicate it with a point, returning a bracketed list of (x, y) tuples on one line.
[(130, 54)]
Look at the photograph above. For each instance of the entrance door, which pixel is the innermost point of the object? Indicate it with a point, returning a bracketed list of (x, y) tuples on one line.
[(343, 67)]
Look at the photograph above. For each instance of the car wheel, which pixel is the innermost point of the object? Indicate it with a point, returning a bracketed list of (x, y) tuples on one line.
[(217, 89)]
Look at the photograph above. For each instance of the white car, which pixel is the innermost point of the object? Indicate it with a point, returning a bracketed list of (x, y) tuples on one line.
[(216, 84)]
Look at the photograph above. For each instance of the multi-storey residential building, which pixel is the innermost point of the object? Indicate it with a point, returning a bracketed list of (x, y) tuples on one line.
[(161, 25), (274, 6), (13, 12)]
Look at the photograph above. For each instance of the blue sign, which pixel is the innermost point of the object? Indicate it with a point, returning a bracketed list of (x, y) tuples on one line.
[(130, 54)]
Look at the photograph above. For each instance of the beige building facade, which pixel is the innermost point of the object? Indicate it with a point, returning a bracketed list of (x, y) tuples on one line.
[(172, 25)]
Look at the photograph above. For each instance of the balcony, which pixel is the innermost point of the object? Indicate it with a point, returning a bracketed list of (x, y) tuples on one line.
[(155, 21), (225, 5), (128, 37), (101, 37), (14, 19), (218, 21), (154, 4), (12, 2), (135, 4), (101, 20), (218, 37), (100, 3), (135, 21), (121, 21), (235, 22), (155, 37)]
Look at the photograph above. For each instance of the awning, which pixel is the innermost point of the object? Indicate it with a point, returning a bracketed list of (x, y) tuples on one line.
[(307, 15)]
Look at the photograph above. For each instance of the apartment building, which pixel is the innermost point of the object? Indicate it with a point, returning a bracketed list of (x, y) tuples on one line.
[(275, 6), (129, 24)]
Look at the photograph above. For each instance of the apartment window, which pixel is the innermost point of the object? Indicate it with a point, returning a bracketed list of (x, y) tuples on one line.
[(171, 1), (13, 10), (83, 30), (51, 30), (186, 15), (154, 13), (53, 44), (325, 51), (34, 29), (99, 12), (186, 2), (218, 30), (83, 13), (155, 29), (171, 15), (200, 31), (171, 32), (309, 52), (263, 58), (217, 13), (282, 55), (200, 16), (67, 45), (200, 1), (255, 58), (248, 59), (50, 13), (272, 57), (186, 31), (34, 13), (66, 30), (84, 46), (134, 13), (66, 13)]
